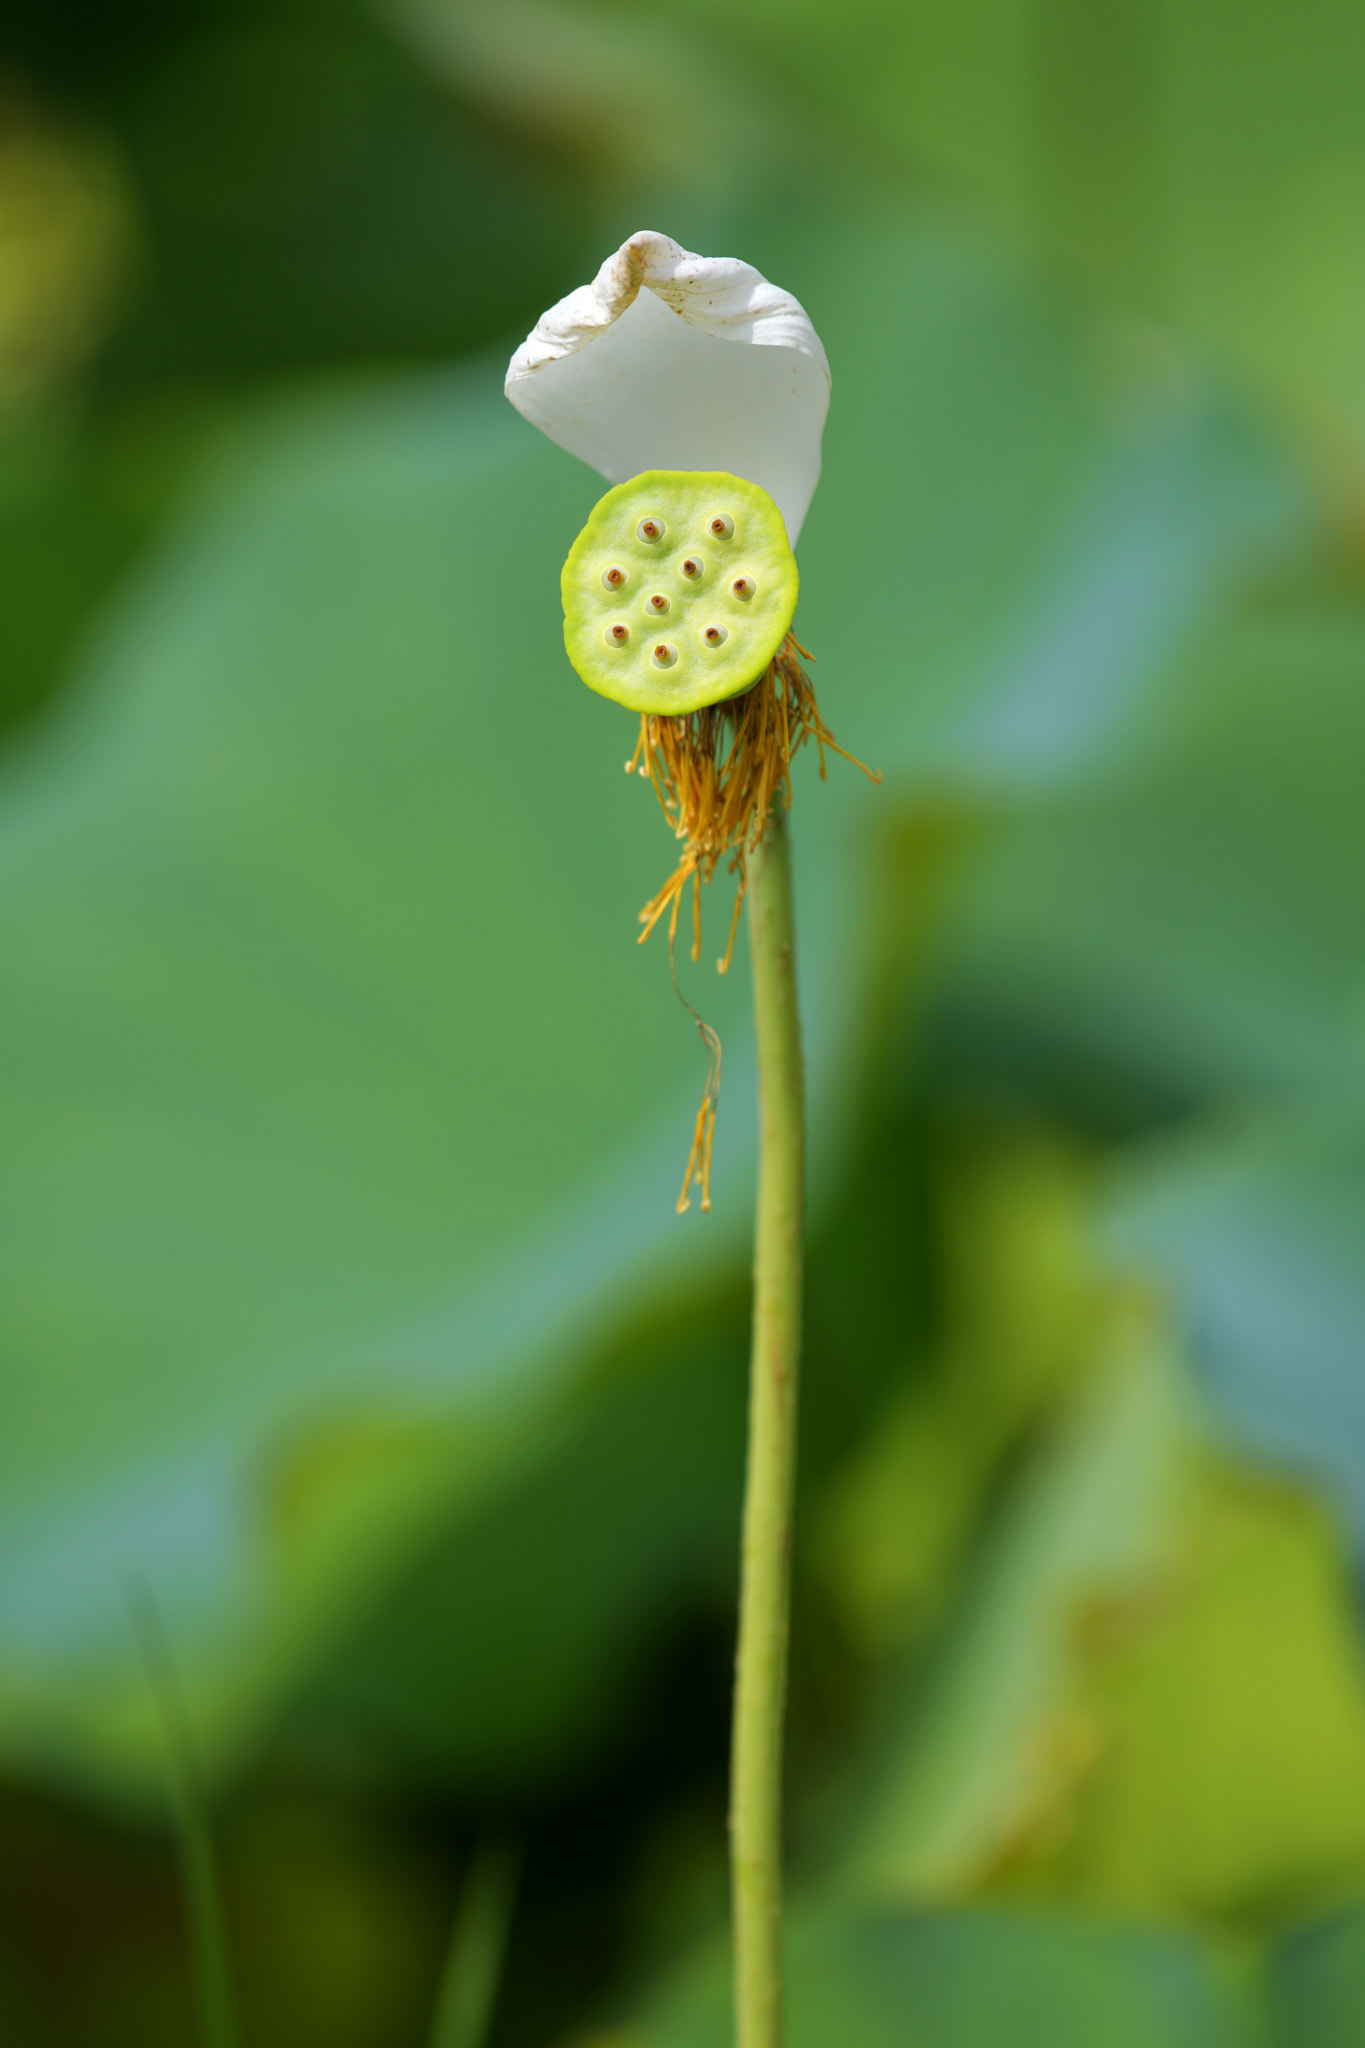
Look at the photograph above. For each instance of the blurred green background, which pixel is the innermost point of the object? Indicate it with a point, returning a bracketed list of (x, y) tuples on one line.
[(346, 1327)]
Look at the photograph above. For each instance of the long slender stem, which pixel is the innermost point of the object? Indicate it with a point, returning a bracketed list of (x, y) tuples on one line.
[(478, 1946), (199, 1872), (765, 1577)]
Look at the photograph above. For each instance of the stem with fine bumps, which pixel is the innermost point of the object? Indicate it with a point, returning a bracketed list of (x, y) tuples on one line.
[(765, 1574)]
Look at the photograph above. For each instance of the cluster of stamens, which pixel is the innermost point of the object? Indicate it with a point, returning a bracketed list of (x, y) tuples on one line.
[(718, 774)]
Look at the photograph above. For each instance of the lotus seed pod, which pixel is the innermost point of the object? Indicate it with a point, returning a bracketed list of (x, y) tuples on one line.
[(705, 550)]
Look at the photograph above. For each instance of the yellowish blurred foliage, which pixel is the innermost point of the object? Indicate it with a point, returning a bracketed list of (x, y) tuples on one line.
[(67, 244)]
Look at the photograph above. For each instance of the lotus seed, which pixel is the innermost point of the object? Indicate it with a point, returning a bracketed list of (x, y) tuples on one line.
[(659, 545)]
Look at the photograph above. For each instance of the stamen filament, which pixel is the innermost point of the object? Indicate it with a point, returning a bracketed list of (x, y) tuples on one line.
[(717, 774)]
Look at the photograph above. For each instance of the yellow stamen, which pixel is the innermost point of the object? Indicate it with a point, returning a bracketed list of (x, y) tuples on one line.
[(706, 1155), (717, 774), (723, 964)]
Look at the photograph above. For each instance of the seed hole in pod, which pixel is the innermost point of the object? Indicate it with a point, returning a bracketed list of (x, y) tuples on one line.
[(691, 568), (617, 635), (722, 525), (744, 586), (650, 529), (658, 603), (715, 636), (613, 578), (664, 655)]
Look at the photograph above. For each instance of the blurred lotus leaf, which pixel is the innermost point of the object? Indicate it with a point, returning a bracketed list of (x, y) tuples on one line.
[(1154, 1700), (1200, 167), (343, 1108), (972, 1980), (1259, 1229)]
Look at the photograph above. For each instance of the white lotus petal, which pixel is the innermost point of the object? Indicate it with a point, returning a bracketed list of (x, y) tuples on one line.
[(673, 361)]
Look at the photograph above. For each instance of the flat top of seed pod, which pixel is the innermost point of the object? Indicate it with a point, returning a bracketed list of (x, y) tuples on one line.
[(679, 590)]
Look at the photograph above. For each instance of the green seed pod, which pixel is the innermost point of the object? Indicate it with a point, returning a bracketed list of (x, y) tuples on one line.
[(679, 590)]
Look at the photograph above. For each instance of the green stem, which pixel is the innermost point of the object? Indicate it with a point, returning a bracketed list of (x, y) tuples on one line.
[(765, 1579), (217, 2010), (478, 1947)]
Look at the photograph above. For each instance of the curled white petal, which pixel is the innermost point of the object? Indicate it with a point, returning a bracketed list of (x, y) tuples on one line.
[(673, 361)]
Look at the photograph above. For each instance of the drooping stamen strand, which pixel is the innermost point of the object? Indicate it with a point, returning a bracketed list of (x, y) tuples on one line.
[(718, 774)]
